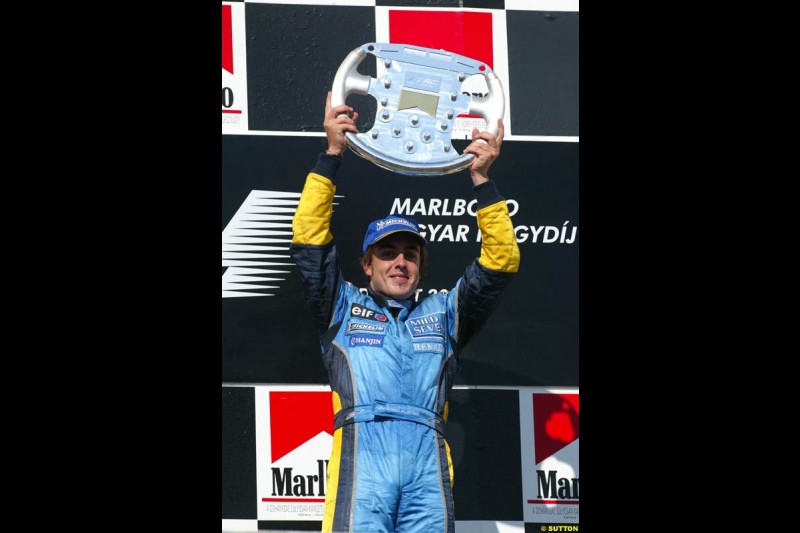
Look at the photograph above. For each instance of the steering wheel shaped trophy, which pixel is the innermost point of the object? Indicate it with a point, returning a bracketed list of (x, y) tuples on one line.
[(418, 99)]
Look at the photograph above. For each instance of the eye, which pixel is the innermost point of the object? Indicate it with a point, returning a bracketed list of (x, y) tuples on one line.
[(387, 253)]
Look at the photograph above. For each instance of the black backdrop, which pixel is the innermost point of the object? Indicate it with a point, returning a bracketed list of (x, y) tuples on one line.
[(293, 52), (272, 339)]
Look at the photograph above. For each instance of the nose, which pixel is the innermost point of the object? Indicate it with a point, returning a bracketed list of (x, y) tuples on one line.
[(400, 260)]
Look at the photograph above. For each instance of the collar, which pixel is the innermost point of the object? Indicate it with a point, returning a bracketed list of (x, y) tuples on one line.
[(383, 301)]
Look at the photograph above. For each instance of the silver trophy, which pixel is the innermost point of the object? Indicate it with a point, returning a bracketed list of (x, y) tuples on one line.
[(418, 96)]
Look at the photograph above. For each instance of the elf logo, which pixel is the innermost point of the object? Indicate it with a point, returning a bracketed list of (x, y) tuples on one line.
[(369, 314)]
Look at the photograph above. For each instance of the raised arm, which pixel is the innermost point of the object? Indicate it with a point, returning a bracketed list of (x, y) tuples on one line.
[(312, 246), (338, 121), (479, 290)]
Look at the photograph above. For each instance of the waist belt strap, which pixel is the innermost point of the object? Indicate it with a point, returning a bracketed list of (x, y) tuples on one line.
[(380, 410)]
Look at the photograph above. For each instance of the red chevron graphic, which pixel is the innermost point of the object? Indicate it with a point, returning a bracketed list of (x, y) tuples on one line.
[(227, 39), (297, 416), (555, 423), (465, 33)]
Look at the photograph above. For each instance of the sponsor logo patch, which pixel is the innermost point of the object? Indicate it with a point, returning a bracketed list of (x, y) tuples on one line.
[(366, 340), (394, 222), (379, 329), (369, 314), (426, 326), (423, 82), (434, 347)]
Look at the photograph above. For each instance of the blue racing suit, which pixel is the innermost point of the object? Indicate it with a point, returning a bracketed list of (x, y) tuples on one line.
[(390, 468)]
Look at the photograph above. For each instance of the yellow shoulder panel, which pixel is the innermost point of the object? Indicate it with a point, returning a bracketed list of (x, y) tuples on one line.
[(312, 221), (499, 249)]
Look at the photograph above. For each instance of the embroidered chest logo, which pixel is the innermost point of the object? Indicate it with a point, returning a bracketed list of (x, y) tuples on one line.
[(426, 326), (366, 340), (363, 312), (355, 327)]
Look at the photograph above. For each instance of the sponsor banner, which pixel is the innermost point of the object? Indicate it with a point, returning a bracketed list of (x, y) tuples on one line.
[(255, 242), (532, 46), (234, 68), (475, 33), (294, 436), (268, 332), (550, 438), (449, 209)]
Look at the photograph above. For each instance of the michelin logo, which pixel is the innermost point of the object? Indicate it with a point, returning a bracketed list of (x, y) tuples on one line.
[(393, 221), (369, 328)]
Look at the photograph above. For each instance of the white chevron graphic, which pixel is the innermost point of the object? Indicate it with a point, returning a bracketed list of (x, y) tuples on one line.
[(255, 244)]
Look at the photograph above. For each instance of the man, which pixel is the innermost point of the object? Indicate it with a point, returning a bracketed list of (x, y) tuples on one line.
[(390, 359)]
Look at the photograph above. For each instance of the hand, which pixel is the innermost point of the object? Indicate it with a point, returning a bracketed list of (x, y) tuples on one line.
[(486, 148), (337, 122)]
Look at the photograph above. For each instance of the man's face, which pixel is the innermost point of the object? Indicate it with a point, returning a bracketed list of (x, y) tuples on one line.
[(394, 269)]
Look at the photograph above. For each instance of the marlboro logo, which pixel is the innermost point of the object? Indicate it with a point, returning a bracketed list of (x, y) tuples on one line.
[(227, 39), (299, 421), (555, 423), (474, 38), (297, 417), (426, 28)]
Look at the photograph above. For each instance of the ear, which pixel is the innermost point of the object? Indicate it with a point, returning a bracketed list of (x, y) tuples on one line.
[(367, 268)]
